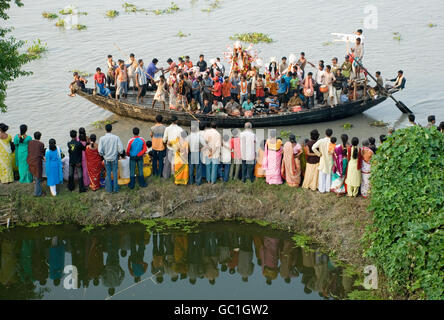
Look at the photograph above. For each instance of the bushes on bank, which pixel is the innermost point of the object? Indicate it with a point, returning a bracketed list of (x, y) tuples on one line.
[(407, 237)]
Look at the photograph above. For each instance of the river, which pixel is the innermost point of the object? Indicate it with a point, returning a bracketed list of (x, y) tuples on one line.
[(215, 261), (41, 100)]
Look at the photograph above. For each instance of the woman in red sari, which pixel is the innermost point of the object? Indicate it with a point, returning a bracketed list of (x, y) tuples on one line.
[(94, 163)]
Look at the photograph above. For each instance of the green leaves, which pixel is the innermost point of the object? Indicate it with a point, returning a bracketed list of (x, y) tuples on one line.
[(407, 237), (11, 60)]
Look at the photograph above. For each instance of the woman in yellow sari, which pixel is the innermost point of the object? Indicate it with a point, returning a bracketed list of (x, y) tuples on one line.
[(6, 156), (181, 168)]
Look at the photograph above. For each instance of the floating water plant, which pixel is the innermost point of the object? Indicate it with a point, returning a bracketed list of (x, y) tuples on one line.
[(252, 37), (102, 123), (60, 23), (171, 9), (347, 126), (112, 13), (379, 123), (79, 26), (49, 15), (83, 74), (36, 49), (328, 43), (213, 5), (180, 34), (72, 10), (132, 8), (397, 36), (432, 25)]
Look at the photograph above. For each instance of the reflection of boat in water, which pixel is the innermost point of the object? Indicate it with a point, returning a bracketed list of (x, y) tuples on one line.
[(131, 109)]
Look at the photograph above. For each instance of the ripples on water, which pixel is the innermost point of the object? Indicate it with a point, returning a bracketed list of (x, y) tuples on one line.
[(41, 100), (225, 261)]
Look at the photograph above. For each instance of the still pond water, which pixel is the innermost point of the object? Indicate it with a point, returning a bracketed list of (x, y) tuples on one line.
[(216, 261)]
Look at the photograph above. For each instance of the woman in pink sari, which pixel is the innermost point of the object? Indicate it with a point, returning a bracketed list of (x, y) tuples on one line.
[(272, 160), (367, 155), (291, 165), (339, 167)]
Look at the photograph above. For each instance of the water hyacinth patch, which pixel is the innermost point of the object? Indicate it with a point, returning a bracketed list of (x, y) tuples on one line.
[(60, 23), (36, 50), (347, 126), (397, 36), (171, 9), (213, 5), (112, 13), (432, 25), (102, 123), (180, 34), (252, 37), (132, 8), (379, 123), (72, 10), (79, 27), (49, 15)]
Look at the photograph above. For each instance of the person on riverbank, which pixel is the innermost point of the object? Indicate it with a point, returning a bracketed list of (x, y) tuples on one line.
[(248, 152), (213, 140), (54, 171), (431, 122), (291, 165), (367, 155), (339, 169), (225, 158), (196, 143), (135, 149), (258, 171), (272, 159), (321, 149), (171, 133), (110, 147), (21, 142), (236, 157), (181, 167), (84, 139), (6, 155), (94, 163), (75, 149), (156, 132), (311, 171), (100, 84), (36, 152), (354, 159)]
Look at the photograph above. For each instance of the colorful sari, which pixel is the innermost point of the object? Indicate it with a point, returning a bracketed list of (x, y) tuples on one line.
[(353, 178), (291, 166), (272, 161), (339, 171), (6, 160), (181, 168), (21, 156), (258, 171), (94, 166), (367, 155)]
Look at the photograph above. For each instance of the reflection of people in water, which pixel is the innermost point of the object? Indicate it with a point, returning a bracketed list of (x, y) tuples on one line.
[(40, 261), (95, 259), (180, 255), (246, 266), (287, 257), (308, 272), (8, 271), (258, 244), (136, 266), (157, 265), (210, 258), (195, 255), (270, 259), (169, 258), (113, 273), (56, 260), (224, 250), (78, 254), (25, 269)]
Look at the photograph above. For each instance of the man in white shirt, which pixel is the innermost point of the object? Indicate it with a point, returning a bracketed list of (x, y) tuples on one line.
[(329, 78), (213, 140), (283, 66), (110, 146), (319, 80), (320, 148), (141, 81), (131, 65), (196, 143), (172, 132), (248, 152)]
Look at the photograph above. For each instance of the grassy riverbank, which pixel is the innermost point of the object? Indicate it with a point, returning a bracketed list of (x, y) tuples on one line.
[(335, 223)]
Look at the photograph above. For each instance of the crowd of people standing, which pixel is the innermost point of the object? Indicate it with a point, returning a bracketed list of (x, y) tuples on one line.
[(325, 164)]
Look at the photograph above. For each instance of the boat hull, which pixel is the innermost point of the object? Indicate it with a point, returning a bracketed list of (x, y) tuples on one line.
[(318, 114)]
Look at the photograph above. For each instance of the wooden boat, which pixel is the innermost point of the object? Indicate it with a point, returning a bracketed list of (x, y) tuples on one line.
[(131, 109)]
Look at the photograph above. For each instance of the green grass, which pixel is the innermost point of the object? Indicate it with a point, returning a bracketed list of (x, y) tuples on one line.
[(252, 37)]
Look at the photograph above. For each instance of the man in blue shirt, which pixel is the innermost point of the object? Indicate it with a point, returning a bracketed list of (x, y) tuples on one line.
[(151, 72), (282, 92), (136, 149)]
